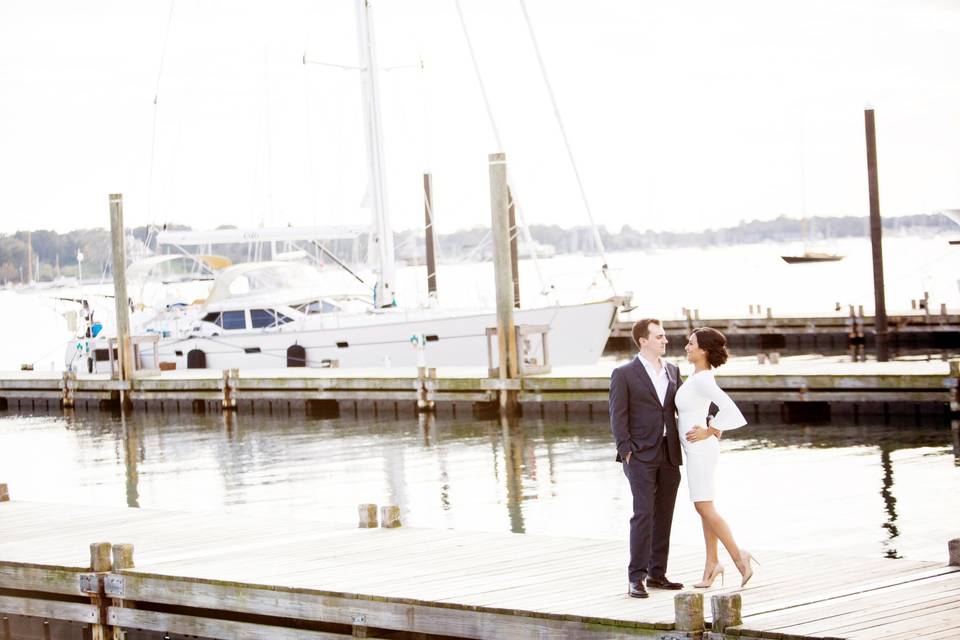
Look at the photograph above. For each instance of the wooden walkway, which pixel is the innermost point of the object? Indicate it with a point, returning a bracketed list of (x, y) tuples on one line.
[(889, 387), (221, 575)]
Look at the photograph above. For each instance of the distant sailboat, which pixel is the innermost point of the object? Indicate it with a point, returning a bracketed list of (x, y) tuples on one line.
[(953, 214), (810, 256)]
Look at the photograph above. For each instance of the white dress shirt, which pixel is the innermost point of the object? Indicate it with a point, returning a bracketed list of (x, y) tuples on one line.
[(660, 381)]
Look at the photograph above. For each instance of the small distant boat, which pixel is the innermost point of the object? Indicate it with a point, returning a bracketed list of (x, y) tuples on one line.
[(953, 214), (812, 256)]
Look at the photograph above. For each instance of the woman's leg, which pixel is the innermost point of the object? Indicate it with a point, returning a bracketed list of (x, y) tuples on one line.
[(710, 542), (718, 528)]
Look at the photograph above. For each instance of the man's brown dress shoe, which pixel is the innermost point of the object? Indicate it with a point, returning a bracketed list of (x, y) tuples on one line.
[(663, 583), (637, 590)]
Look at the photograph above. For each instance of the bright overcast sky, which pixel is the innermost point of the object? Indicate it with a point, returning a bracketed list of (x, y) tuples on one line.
[(680, 114)]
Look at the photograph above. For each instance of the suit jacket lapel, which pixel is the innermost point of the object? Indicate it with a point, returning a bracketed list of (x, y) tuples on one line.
[(641, 372), (671, 381)]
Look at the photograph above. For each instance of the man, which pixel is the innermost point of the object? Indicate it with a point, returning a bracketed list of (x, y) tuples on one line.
[(644, 423)]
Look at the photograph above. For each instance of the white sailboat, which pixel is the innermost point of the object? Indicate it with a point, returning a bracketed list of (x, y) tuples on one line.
[(276, 314)]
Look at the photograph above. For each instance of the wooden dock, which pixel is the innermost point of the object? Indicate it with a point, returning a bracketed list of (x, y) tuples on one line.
[(798, 386), (221, 575), (762, 332)]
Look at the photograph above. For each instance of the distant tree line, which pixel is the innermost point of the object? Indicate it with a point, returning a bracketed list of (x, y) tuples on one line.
[(56, 253)]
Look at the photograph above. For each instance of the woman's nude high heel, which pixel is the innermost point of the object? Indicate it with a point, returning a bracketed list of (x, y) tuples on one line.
[(717, 570), (747, 558)]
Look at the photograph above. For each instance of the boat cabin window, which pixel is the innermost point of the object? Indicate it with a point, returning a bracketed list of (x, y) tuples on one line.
[(317, 306), (213, 317), (260, 318), (233, 320)]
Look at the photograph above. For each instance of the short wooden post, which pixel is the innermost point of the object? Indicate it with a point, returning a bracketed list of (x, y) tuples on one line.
[(4, 493), (726, 609), (230, 377), (953, 547), (69, 382), (688, 612), (122, 556), (390, 516), (100, 562), (368, 516), (122, 559)]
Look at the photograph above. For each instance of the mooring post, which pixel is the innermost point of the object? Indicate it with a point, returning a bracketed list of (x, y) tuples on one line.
[(726, 612), (69, 384), (230, 377), (955, 400), (122, 559), (4, 493), (688, 612), (100, 565), (880, 314), (368, 516), (953, 547), (500, 231), (121, 302), (390, 516)]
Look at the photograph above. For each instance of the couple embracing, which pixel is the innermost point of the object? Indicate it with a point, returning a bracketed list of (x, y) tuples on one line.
[(654, 415)]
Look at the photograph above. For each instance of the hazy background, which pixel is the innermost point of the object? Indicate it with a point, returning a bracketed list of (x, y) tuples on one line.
[(681, 115)]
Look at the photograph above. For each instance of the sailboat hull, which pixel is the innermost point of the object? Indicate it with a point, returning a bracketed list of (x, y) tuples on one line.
[(810, 257)]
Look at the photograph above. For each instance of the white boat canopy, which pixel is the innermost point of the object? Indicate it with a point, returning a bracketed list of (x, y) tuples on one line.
[(280, 282)]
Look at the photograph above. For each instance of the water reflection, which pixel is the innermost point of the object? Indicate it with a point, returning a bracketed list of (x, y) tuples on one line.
[(856, 488)]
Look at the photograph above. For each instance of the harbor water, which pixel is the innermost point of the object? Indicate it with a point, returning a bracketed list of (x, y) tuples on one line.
[(865, 489)]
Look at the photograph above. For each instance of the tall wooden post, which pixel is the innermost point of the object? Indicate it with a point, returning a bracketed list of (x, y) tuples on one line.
[(880, 316), (124, 348), (503, 278), (29, 257), (430, 238), (514, 255)]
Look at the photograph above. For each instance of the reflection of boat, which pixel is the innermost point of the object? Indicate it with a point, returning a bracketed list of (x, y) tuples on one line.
[(273, 315), (812, 256)]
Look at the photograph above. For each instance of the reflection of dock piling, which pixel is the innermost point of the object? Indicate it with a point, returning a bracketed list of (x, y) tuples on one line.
[(227, 576)]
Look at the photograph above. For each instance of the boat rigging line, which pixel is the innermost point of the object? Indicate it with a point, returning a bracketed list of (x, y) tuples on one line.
[(566, 143), (544, 290), (339, 262), (156, 100)]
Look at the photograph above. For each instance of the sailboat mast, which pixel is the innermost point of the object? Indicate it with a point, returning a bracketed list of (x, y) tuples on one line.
[(382, 235)]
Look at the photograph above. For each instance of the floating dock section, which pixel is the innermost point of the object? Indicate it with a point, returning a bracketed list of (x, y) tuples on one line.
[(804, 388)]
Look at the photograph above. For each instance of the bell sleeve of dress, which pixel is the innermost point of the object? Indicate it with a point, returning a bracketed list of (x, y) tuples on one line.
[(729, 416)]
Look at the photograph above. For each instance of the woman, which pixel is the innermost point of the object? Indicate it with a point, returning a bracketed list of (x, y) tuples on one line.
[(706, 349)]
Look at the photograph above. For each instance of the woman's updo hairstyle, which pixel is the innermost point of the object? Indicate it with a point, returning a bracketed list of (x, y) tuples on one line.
[(714, 344)]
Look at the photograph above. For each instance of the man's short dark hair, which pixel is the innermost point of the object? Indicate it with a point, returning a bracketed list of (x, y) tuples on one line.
[(641, 328)]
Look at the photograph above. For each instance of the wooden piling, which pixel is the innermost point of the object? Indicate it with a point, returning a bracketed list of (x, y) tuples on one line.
[(953, 546), (101, 563), (726, 611), (4, 493), (124, 347), (500, 230), (514, 251), (367, 516), (431, 241), (69, 384), (880, 314), (688, 612), (390, 516)]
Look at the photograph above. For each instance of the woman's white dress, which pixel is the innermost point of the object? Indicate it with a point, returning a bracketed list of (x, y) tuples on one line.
[(693, 401)]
